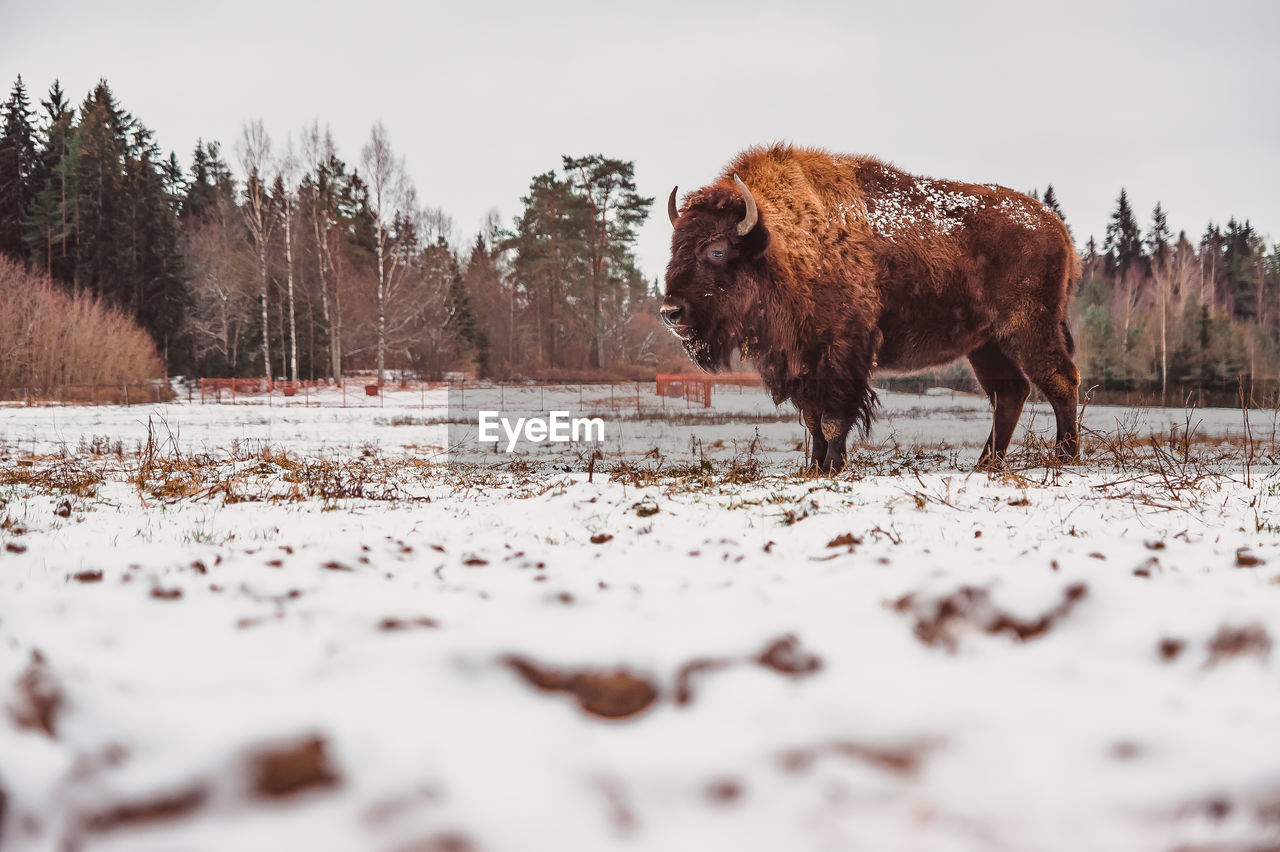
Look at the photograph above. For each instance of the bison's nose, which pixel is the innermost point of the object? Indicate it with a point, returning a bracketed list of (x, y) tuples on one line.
[(673, 311)]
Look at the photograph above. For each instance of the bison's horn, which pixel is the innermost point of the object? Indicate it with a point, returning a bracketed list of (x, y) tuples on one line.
[(672, 213), (749, 221)]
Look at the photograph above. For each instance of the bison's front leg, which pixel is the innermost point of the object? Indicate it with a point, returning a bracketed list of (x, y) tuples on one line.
[(835, 431), (813, 423)]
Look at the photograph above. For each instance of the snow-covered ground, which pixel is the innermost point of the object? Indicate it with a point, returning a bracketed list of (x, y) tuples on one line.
[(414, 423), (293, 627)]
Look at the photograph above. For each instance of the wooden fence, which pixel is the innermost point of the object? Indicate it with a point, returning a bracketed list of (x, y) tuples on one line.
[(124, 394), (696, 387)]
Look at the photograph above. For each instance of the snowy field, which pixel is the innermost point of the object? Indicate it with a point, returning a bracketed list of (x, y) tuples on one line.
[(258, 627)]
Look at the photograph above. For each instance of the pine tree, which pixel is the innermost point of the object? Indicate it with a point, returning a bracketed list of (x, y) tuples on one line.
[(615, 212), (1123, 244), (115, 198), (548, 243), (460, 315), (1051, 201), (1159, 236), (1091, 250), (48, 226), (18, 164), (1242, 266), (1211, 264), (98, 197), (158, 295), (210, 185), (494, 302)]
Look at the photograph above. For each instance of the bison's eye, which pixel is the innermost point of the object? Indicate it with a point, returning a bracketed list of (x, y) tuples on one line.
[(717, 252)]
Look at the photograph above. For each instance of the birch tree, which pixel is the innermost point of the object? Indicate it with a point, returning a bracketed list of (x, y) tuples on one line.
[(288, 182), (391, 198), (320, 156), (254, 153)]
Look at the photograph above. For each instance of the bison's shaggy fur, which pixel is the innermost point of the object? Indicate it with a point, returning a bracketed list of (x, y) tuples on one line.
[(852, 266)]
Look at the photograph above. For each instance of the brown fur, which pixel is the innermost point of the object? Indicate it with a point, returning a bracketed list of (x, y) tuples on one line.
[(855, 266)]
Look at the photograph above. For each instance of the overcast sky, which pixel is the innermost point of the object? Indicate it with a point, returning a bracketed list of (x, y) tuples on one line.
[(1176, 101)]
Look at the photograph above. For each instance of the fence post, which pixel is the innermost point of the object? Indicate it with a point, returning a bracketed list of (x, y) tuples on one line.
[(126, 394)]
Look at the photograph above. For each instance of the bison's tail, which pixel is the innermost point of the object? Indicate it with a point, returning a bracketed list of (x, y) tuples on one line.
[(1075, 269), (866, 404)]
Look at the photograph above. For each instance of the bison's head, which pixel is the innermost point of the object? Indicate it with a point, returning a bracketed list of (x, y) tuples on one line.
[(716, 271)]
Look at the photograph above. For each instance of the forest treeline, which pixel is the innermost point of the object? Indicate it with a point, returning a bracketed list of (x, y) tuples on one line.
[(279, 256), (1163, 314)]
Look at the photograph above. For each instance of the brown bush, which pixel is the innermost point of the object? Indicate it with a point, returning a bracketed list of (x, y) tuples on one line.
[(50, 338)]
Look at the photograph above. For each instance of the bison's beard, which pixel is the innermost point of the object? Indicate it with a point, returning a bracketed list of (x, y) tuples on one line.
[(713, 351)]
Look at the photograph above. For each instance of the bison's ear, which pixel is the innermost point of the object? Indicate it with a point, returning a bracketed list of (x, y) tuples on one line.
[(755, 237), (756, 241)]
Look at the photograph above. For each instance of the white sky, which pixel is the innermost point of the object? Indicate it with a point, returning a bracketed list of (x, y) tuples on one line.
[(1176, 101)]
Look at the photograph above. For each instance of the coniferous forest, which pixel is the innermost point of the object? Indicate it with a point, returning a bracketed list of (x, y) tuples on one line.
[(289, 258)]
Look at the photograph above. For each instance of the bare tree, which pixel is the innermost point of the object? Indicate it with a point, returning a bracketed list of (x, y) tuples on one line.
[(1174, 274), (254, 153), (318, 151), (221, 268), (288, 180), (391, 198)]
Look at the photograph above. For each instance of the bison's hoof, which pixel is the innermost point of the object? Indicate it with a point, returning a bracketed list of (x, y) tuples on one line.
[(990, 464), (824, 468)]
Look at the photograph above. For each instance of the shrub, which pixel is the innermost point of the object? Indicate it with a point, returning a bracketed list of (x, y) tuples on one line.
[(50, 338)]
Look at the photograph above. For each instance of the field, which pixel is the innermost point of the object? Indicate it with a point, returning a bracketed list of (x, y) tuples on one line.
[(279, 627)]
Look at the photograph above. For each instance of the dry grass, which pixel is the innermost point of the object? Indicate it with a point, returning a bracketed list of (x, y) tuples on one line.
[(54, 475), (1171, 469)]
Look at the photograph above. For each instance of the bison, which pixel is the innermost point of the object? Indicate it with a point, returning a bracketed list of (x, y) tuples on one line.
[(822, 268)]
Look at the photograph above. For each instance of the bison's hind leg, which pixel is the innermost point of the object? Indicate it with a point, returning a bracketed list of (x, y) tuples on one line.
[(1042, 353), (1007, 388)]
